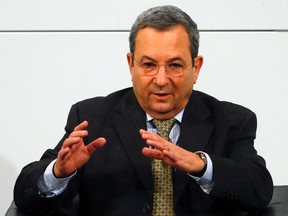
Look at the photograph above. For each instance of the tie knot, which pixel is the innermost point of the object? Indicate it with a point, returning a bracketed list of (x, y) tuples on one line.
[(164, 127)]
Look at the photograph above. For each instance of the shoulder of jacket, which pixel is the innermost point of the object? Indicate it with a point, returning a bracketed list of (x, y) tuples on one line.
[(113, 97), (225, 106)]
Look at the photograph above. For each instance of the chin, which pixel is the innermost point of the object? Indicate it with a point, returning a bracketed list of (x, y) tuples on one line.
[(162, 109)]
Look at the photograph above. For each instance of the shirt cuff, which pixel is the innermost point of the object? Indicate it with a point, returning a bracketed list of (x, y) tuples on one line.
[(206, 181), (49, 185)]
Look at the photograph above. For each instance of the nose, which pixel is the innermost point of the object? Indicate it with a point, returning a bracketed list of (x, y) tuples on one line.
[(161, 78)]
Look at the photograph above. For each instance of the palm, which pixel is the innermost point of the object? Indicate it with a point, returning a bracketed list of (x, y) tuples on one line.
[(79, 156), (74, 153)]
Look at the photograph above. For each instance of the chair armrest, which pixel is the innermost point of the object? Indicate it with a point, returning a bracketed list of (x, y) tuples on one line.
[(13, 211), (279, 203)]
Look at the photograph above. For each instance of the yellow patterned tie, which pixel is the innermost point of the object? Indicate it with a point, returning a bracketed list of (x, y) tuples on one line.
[(162, 176)]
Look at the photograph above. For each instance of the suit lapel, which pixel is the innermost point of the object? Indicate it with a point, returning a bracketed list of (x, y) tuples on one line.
[(196, 126), (130, 120)]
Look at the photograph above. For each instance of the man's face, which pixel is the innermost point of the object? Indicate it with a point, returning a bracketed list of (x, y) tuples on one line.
[(163, 96)]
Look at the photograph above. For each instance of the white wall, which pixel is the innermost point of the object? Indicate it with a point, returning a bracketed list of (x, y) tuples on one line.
[(55, 53)]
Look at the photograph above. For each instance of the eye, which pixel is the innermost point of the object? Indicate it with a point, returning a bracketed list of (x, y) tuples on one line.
[(149, 65), (175, 66)]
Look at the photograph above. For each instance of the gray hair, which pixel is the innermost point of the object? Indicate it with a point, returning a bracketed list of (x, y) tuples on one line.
[(163, 18)]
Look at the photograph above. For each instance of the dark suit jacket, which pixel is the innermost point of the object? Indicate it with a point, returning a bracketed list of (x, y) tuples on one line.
[(117, 179)]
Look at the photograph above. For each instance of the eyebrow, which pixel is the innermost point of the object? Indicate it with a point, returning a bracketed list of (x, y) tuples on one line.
[(154, 60), (147, 57)]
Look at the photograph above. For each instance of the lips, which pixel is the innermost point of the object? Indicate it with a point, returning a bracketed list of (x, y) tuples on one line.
[(161, 96)]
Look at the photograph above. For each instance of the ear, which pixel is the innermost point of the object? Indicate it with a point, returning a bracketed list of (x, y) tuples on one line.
[(130, 61), (198, 62)]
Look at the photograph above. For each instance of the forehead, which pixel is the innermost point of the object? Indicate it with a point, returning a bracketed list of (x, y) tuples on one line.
[(158, 44)]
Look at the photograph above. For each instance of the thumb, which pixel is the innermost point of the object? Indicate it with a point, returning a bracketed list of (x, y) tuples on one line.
[(96, 144)]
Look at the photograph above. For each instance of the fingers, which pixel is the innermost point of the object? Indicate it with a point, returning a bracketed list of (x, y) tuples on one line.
[(76, 136), (96, 144), (80, 130), (74, 153), (81, 126), (152, 153), (155, 141), (159, 148), (168, 152), (63, 153)]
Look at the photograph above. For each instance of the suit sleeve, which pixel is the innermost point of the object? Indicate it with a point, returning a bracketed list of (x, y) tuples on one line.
[(26, 195), (241, 178)]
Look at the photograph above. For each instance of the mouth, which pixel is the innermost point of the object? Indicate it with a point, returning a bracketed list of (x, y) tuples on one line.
[(161, 96)]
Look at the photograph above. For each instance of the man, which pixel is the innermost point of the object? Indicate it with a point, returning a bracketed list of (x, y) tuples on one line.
[(208, 159)]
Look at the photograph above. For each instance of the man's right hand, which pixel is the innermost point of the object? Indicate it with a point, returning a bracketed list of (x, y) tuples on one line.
[(74, 153)]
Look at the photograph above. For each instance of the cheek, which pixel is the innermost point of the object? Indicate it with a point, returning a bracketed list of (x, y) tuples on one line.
[(184, 87), (140, 85)]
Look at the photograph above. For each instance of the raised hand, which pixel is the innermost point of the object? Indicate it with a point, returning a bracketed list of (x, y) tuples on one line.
[(170, 153), (74, 153)]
